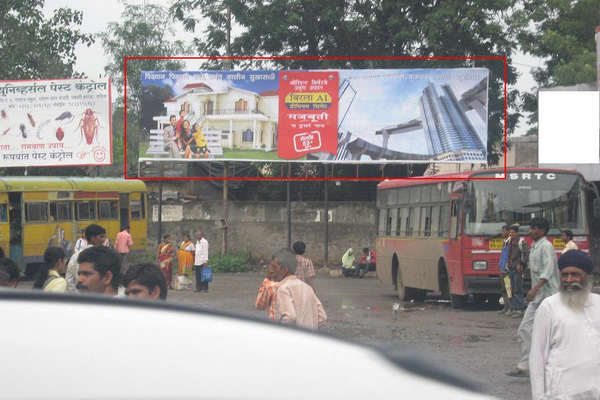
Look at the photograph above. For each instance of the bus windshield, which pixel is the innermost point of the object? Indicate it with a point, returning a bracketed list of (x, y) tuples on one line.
[(557, 197)]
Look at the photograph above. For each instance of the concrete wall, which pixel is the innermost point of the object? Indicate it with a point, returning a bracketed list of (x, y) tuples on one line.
[(261, 227)]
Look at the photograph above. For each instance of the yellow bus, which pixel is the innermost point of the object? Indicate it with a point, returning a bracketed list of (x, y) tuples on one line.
[(36, 212)]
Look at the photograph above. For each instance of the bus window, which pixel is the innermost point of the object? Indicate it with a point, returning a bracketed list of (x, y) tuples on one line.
[(108, 209), (36, 212), (425, 221), (403, 215), (382, 221), (394, 222), (392, 198), (444, 215), (85, 210), (143, 205), (135, 207), (388, 225), (444, 194), (60, 211), (414, 221), (3, 213), (454, 220), (435, 221)]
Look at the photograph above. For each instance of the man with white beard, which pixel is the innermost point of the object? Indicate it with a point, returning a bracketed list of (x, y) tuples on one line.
[(565, 348)]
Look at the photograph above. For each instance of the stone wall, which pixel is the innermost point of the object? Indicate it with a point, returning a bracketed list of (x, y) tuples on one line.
[(261, 227)]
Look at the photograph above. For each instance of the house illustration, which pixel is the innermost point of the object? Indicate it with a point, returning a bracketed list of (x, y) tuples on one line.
[(245, 120)]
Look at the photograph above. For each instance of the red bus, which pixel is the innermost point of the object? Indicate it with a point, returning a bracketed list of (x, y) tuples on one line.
[(443, 234)]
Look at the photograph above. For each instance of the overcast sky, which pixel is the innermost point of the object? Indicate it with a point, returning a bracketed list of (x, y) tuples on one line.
[(96, 14)]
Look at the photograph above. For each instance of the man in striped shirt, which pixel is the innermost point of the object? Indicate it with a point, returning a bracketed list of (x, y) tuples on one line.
[(305, 271)]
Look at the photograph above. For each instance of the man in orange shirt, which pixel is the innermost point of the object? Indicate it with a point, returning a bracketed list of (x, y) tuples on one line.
[(123, 242)]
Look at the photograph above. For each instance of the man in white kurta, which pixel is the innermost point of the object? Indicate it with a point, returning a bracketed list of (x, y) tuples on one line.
[(565, 349)]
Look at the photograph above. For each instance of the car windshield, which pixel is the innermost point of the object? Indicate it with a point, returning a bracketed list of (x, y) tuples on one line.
[(557, 197)]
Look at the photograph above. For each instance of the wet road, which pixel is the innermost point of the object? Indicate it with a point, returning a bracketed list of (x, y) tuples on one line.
[(476, 342)]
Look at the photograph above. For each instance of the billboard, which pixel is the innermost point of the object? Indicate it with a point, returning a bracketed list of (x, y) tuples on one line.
[(55, 123), (341, 116)]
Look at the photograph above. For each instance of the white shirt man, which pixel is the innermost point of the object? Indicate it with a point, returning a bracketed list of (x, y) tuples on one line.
[(565, 348), (95, 236), (201, 261)]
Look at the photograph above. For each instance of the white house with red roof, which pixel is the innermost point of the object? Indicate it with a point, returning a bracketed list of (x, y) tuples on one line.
[(246, 120)]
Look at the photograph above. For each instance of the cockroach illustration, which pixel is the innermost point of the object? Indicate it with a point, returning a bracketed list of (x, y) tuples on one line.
[(40, 127), (31, 120), (65, 115), (60, 134), (89, 126), (23, 131), (4, 114)]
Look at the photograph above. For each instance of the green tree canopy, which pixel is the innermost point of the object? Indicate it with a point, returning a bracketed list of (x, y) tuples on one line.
[(144, 30), (352, 28), (561, 32)]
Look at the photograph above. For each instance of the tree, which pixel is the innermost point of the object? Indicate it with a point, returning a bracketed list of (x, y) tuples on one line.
[(143, 31), (562, 33), (37, 48), (344, 28)]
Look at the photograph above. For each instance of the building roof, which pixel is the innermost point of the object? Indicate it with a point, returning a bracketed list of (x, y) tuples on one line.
[(266, 93), (197, 85)]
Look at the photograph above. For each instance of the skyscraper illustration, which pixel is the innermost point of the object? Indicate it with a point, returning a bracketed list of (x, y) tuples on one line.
[(449, 132)]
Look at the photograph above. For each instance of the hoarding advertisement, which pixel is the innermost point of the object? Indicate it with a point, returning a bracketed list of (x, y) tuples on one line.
[(55, 123), (309, 121), (338, 116)]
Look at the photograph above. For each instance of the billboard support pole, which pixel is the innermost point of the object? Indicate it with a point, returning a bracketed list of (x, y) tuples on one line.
[(160, 198), (225, 201), (326, 217), (289, 208), (160, 195)]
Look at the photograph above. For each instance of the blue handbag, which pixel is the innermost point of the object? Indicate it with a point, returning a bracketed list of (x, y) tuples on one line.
[(206, 275)]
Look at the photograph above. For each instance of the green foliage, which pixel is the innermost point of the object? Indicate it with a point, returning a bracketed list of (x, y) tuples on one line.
[(141, 257), (562, 33), (230, 262), (144, 30), (342, 28), (37, 48)]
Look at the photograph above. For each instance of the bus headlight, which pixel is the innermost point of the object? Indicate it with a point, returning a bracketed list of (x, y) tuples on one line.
[(479, 265)]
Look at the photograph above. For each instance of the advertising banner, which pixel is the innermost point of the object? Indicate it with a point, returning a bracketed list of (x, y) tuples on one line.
[(55, 123), (339, 116), (308, 107)]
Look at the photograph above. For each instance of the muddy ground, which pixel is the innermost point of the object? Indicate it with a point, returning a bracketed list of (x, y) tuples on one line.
[(475, 342)]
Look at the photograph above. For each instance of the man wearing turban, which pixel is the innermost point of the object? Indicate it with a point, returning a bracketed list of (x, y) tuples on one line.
[(565, 348)]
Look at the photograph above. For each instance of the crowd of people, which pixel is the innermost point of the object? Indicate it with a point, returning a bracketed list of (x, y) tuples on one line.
[(181, 139), (559, 334)]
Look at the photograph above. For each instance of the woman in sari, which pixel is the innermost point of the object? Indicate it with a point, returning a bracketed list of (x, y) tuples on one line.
[(348, 264), (166, 252), (185, 258)]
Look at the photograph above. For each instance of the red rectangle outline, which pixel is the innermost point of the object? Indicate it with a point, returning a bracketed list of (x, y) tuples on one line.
[(109, 124), (197, 178)]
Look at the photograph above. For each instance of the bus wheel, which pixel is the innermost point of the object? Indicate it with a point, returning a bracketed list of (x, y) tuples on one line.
[(403, 291)]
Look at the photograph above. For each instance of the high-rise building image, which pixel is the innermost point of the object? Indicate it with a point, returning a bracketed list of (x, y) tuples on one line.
[(448, 130)]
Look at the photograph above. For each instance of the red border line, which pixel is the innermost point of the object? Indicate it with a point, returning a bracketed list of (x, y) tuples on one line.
[(305, 178)]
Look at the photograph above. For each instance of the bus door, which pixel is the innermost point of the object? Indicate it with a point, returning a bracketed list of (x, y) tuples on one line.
[(124, 209), (455, 252), (4, 226), (15, 220)]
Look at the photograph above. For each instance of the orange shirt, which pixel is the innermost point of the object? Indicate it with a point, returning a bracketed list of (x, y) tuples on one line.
[(123, 242)]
